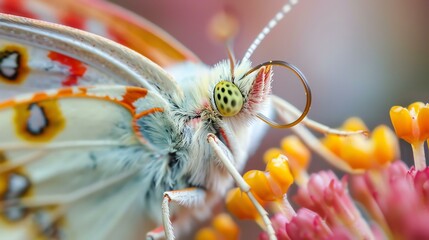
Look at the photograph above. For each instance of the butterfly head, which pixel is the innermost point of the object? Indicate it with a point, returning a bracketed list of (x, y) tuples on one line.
[(254, 84), (237, 95)]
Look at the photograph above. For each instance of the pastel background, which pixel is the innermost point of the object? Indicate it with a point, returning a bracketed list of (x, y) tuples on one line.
[(360, 57)]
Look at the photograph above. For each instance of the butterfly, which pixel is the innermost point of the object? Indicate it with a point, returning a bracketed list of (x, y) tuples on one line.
[(97, 141)]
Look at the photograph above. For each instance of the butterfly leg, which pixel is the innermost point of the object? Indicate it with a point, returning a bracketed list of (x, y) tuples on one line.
[(188, 197), (220, 151)]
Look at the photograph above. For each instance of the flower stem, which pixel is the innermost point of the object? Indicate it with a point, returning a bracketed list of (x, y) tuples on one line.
[(302, 178), (287, 208), (419, 155)]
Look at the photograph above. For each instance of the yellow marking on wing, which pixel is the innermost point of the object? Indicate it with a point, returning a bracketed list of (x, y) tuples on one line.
[(4, 198), (3, 181), (58, 222), (2, 157), (54, 118), (22, 68)]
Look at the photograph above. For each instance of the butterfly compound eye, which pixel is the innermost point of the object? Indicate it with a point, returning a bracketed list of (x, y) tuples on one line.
[(228, 98)]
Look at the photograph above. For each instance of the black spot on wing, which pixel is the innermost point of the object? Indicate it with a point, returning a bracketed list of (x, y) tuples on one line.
[(9, 64), (37, 121), (17, 186)]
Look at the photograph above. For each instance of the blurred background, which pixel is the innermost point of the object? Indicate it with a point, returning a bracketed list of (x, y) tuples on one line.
[(360, 57)]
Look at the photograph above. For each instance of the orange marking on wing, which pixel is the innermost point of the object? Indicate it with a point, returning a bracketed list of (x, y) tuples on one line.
[(7, 103), (140, 115), (84, 89), (39, 96), (138, 133), (77, 69), (65, 92), (149, 111), (133, 94)]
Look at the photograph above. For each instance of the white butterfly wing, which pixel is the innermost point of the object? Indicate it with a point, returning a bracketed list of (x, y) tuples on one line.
[(73, 161), (104, 58)]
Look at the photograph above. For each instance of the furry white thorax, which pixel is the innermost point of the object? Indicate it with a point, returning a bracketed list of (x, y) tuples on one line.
[(198, 84)]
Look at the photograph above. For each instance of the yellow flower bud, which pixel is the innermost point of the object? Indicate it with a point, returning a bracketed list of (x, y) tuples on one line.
[(402, 123), (226, 227), (412, 123), (206, 234), (271, 153), (354, 124), (362, 152), (260, 184), (385, 144), (296, 151), (239, 205), (357, 152), (278, 168)]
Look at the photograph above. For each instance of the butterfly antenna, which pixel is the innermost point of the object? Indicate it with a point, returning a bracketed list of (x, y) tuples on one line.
[(304, 82), (231, 58), (266, 30)]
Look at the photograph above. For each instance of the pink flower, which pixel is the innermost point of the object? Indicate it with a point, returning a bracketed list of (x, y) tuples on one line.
[(326, 195), (308, 225), (279, 221), (397, 199)]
